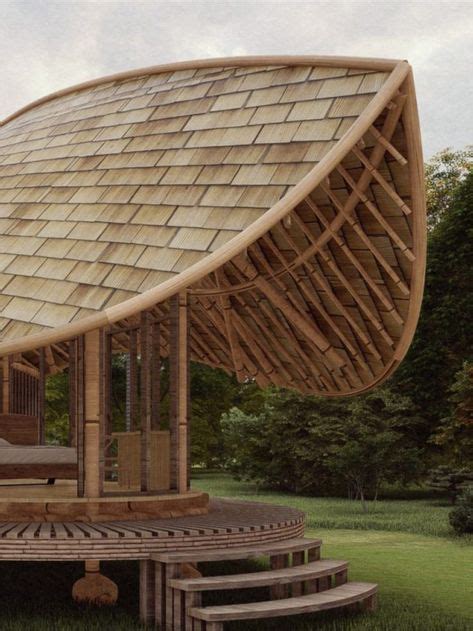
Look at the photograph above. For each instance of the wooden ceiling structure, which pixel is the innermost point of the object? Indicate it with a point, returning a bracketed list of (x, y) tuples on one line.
[(282, 196)]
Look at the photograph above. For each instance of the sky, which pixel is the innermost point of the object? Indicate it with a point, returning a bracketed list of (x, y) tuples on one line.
[(47, 45)]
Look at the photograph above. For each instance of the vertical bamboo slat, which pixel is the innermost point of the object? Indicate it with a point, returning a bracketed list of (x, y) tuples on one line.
[(156, 377), (41, 395), (132, 384)]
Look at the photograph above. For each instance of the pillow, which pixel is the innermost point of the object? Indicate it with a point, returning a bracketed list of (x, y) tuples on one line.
[(4, 442)]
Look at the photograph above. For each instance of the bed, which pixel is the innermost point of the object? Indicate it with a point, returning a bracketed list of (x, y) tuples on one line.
[(21, 457)]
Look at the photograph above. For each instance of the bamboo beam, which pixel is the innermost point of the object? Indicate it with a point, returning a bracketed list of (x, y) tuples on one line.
[(381, 180), (376, 214), (388, 146), (302, 322), (391, 309), (235, 349), (356, 227)]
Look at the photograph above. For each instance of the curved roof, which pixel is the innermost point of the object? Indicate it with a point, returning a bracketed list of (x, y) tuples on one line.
[(242, 173)]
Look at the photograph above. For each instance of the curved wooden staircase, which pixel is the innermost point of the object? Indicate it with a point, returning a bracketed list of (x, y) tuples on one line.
[(298, 582)]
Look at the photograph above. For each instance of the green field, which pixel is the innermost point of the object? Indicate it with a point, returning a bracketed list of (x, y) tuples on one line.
[(424, 573)]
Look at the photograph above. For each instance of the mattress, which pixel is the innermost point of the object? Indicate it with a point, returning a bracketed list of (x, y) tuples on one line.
[(37, 454)]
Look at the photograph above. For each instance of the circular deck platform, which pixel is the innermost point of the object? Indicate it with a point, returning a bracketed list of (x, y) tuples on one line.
[(228, 523)]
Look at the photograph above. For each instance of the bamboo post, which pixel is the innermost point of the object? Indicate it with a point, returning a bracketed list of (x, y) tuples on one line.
[(145, 400), (179, 368), (92, 413), (73, 393), (79, 407)]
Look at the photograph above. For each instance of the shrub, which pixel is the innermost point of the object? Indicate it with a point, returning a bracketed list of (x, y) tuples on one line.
[(461, 517)]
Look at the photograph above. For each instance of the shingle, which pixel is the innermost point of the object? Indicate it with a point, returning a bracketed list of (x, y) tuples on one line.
[(310, 110), (317, 130), (230, 101), (193, 238), (282, 132), (153, 214), (340, 87), (159, 258), (54, 314)]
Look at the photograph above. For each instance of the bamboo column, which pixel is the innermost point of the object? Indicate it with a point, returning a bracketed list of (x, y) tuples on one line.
[(179, 373), (145, 399), (92, 456)]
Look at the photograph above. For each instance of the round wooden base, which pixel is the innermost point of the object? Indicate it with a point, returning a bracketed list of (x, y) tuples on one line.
[(228, 523), (103, 509)]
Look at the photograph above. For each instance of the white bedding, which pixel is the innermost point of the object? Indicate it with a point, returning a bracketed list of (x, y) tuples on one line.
[(37, 454)]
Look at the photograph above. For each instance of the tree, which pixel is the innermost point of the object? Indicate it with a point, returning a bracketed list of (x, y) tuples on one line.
[(450, 480), (444, 336), (323, 446), (444, 173), (374, 447), (461, 517), (455, 433)]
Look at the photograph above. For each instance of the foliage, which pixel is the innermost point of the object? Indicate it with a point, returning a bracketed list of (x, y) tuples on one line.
[(444, 337), (452, 481), (212, 393), (57, 409), (455, 433), (461, 517), (443, 174), (318, 445)]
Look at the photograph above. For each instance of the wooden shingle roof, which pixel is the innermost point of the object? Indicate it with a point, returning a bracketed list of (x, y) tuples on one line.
[(114, 189)]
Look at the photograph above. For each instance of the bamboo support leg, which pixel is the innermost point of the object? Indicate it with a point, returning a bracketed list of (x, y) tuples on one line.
[(94, 587), (159, 594), (191, 599), (147, 591), (172, 571)]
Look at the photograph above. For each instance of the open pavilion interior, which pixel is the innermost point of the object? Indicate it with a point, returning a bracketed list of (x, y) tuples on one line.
[(263, 216)]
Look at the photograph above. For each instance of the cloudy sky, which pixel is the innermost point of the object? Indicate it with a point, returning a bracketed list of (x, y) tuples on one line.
[(46, 45)]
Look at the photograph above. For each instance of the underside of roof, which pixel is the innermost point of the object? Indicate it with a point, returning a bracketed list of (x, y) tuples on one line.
[(284, 194)]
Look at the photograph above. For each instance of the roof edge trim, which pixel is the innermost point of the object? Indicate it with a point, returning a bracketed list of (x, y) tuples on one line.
[(364, 63)]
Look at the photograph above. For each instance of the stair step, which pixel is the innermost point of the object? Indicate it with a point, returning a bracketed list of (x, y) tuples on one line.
[(346, 594), (244, 552), (298, 573)]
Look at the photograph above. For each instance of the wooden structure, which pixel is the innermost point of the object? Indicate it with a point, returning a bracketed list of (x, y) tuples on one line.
[(261, 215)]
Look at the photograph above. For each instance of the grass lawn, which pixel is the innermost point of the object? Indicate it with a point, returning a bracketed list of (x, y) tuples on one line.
[(404, 545)]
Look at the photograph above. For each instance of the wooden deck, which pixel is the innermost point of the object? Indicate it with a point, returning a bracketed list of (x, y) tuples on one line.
[(228, 523)]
